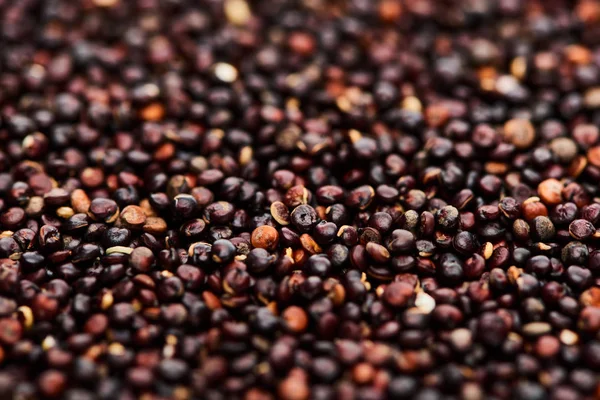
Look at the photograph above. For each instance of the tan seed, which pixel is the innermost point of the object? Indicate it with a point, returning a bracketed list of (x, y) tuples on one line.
[(537, 328), (488, 250), (519, 132), (424, 302), (225, 72), (80, 201), (568, 337), (564, 148), (65, 212), (591, 98), (237, 12), (105, 3), (155, 225), (246, 154), (133, 216), (550, 191), (26, 316), (107, 300), (35, 206), (119, 249)]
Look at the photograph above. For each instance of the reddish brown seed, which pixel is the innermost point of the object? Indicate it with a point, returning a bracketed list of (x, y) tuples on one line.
[(532, 208), (301, 43), (295, 319), (96, 325), (80, 201), (141, 259), (133, 217), (309, 244), (550, 191), (44, 307), (547, 346), (593, 156), (296, 196), (397, 294), (52, 383), (265, 237), (152, 112), (390, 10), (377, 252), (519, 132), (590, 297), (577, 166), (10, 331), (256, 393), (294, 387), (589, 319), (363, 373), (92, 177)]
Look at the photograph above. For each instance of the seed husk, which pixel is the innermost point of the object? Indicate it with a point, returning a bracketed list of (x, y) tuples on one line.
[(280, 213)]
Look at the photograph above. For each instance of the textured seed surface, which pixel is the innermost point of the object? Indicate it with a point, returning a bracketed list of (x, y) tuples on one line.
[(299, 200)]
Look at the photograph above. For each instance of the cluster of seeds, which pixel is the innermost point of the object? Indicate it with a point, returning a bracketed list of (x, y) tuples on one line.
[(299, 199)]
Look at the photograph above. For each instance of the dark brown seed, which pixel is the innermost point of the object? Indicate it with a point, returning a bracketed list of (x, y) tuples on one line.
[(141, 259), (580, 229), (12, 218), (543, 228), (52, 383), (56, 197), (360, 197), (304, 217), (10, 331), (105, 210)]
